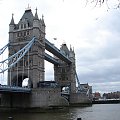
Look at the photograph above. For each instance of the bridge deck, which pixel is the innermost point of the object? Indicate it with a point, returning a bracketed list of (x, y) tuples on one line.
[(11, 89)]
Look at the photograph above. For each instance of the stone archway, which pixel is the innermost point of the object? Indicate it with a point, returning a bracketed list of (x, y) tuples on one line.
[(20, 79)]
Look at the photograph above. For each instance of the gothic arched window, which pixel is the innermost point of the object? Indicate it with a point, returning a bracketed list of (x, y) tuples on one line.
[(21, 26), (24, 25)]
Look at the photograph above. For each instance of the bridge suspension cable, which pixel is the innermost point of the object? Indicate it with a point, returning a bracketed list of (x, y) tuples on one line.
[(80, 89), (79, 86), (12, 60), (3, 49)]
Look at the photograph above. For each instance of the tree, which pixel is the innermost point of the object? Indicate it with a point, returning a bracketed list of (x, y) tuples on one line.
[(96, 3)]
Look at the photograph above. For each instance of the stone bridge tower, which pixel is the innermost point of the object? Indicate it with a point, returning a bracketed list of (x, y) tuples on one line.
[(19, 35), (33, 67), (65, 73)]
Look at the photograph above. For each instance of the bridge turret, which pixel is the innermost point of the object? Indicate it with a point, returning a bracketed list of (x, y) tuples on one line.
[(11, 29), (36, 16), (36, 21), (23, 32), (43, 23), (36, 25), (11, 25), (72, 53), (65, 73), (72, 69)]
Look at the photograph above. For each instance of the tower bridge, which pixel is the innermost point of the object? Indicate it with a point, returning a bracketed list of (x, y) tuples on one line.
[(27, 45)]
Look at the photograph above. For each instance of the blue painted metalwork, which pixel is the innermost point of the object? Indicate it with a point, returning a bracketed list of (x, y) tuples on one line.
[(3, 49), (14, 89), (51, 48), (51, 59), (78, 81), (12, 60)]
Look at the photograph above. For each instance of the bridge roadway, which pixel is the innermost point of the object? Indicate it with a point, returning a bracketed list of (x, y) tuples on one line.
[(54, 50), (14, 89)]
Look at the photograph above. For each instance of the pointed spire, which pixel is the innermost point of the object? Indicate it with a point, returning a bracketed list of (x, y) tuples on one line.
[(42, 17), (70, 48), (43, 23), (73, 49), (36, 15), (12, 20), (28, 8)]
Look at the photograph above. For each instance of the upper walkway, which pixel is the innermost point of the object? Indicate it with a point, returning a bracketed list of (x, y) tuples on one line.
[(54, 50), (51, 59)]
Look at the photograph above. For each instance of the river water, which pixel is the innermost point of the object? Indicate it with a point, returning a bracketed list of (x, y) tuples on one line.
[(94, 112)]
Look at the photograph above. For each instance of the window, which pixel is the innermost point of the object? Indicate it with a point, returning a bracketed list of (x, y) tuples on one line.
[(21, 26), (21, 34), (17, 34), (31, 62), (26, 63), (63, 70), (21, 63), (24, 33), (28, 25), (24, 25), (27, 32)]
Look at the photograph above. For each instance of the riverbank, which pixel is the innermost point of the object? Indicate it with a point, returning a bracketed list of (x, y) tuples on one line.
[(107, 101)]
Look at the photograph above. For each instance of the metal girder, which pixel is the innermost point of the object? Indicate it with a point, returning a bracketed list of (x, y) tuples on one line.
[(51, 59), (12, 60), (51, 48), (14, 89)]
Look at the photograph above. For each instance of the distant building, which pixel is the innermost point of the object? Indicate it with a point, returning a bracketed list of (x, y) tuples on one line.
[(85, 89), (96, 96), (112, 95)]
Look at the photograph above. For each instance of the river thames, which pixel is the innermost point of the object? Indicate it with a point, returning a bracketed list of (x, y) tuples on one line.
[(94, 112)]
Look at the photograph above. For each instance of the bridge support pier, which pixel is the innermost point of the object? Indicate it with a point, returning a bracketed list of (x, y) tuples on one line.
[(79, 99), (15, 100), (38, 98), (47, 97)]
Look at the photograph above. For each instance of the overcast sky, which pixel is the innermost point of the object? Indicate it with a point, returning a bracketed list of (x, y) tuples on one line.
[(93, 32)]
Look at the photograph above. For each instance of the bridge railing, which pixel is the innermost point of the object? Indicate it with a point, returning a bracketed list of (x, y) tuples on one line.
[(14, 88)]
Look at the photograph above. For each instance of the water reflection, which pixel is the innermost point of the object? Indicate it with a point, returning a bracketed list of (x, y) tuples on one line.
[(96, 112)]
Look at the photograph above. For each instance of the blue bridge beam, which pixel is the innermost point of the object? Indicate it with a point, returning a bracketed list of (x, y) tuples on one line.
[(51, 59), (54, 50), (13, 89)]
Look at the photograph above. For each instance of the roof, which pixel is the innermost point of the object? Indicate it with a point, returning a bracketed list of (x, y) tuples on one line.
[(65, 49), (12, 21), (27, 16)]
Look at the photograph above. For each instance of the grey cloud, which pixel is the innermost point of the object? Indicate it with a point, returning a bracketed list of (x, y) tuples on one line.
[(98, 64), (106, 86)]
